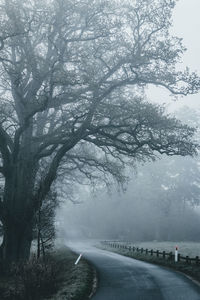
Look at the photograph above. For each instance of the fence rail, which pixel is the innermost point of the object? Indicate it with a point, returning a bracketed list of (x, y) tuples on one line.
[(157, 253)]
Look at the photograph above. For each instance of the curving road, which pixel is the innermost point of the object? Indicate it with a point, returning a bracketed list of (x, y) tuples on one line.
[(123, 278)]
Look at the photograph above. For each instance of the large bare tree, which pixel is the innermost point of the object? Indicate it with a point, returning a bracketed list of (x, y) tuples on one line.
[(72, 75)]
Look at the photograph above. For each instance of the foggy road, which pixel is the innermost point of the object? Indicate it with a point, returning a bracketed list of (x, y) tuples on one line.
[(123, 278)]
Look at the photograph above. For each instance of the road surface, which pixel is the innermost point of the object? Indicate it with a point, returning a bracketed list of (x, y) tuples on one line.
[(123, 278)]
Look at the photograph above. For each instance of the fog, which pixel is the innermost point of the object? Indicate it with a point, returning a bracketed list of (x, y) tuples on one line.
[(161, 199), (159, 202), (185, 23)]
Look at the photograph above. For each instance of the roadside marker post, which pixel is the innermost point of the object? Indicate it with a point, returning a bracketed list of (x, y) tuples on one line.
[(77, 261), (176, 254)]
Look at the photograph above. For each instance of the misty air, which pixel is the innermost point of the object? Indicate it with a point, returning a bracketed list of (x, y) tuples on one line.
[(99, 150)]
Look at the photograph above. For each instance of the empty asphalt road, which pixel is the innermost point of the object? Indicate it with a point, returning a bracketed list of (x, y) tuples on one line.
[(123, 278)]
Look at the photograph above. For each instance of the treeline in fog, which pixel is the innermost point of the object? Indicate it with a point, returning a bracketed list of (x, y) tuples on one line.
[(161, 201)]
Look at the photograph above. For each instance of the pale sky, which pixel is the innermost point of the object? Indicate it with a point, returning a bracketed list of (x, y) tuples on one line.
[(186, 19)]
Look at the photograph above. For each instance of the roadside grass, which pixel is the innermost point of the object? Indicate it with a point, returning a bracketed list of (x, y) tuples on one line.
[(56, 279), (191, 270), (191, 249), (75, 281)]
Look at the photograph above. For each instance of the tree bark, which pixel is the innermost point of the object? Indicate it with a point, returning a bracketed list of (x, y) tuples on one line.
[(17, 227), (16, 242)]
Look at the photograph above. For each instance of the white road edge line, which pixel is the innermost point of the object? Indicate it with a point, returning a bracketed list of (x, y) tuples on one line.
[(77, 261)]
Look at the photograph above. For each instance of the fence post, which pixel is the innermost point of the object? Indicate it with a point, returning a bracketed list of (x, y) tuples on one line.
[(164, 254), (176, 257), (176, 254)]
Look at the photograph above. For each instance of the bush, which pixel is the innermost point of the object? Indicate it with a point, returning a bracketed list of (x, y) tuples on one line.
[(33, 280)]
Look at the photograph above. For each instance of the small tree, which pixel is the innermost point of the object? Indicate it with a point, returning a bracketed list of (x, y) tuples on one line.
[(45, 224)]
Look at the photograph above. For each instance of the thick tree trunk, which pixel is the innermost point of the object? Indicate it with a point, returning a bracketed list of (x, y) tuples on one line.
[(18, 216), (16, 242)]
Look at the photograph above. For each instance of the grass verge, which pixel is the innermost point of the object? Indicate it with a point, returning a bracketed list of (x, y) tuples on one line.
[(76, 281), (189, 269), (56, 279)]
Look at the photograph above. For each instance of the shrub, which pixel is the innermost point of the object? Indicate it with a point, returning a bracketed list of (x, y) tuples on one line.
[(34, 279)]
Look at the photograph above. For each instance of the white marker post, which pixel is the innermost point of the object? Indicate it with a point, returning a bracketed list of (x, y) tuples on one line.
[(77, 261), (176, 254)]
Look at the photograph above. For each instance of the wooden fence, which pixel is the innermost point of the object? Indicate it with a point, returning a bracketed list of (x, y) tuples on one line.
[(157, 253)]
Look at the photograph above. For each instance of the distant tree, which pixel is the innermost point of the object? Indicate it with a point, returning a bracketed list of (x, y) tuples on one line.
[(72, 75), (161, 202)]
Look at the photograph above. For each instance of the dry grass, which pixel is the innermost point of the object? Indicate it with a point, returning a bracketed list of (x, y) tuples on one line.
[(32, 280), (75, 280), (191, 249), (57, 279)]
